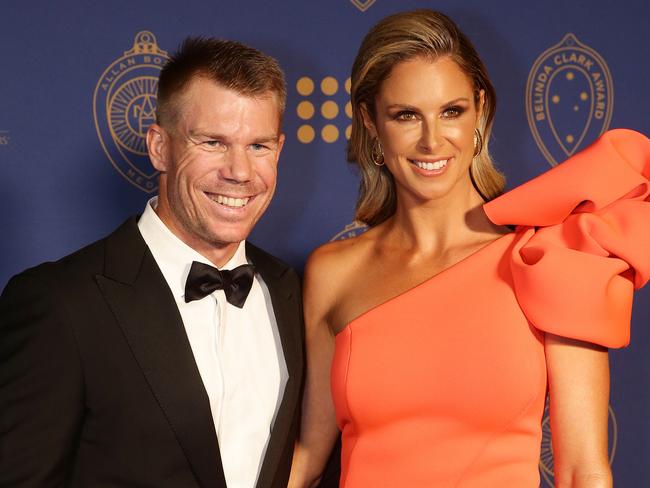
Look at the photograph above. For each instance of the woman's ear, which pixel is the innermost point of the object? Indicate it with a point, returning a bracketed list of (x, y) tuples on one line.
[(480, 105), (367, 120)]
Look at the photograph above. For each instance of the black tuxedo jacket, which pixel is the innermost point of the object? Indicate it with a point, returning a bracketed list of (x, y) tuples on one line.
[(98, 383)]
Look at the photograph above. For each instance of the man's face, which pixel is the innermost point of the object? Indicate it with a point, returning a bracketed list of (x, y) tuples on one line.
[(218, 165)]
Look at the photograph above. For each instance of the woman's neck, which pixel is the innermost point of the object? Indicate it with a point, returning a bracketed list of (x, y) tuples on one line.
[(434, 226)]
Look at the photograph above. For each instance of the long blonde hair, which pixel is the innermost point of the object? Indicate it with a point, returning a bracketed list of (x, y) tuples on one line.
[(398, 38)]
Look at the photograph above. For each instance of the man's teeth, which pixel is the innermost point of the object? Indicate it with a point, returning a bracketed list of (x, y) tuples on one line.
[(431, 166), (231, 202)]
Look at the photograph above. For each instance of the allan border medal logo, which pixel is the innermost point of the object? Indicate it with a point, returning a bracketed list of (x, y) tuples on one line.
[(569, 98), (124, 106)]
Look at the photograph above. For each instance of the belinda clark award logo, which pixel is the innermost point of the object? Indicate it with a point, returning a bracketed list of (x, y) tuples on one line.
[(124, 106), (569, 98)]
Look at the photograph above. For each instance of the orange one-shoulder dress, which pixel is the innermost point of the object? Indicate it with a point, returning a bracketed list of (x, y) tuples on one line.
[(445, 384)]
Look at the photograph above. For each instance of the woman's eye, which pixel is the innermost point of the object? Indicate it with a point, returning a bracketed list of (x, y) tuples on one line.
[(452, 112), (406, 116)]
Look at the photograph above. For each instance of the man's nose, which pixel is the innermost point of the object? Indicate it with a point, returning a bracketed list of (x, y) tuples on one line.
[(239, 167)]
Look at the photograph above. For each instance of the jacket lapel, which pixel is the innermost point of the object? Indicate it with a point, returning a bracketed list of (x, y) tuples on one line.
[(286, 300), (144, 307)]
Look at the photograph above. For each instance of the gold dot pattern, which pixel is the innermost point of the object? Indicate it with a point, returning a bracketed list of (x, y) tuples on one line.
[(329, 109), (569, 138), (305, 110), (306, 134), (584, 96), (305, 86), (330, 133), (556, 99), (570, 75), (329, 85)]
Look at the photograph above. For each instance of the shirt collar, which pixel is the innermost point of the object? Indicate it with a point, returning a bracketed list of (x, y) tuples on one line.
[(172, 255)]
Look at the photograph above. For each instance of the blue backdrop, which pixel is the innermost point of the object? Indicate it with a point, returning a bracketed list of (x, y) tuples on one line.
[(78, 86)]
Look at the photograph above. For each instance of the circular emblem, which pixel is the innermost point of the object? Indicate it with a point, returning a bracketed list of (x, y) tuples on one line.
[(353, 229), (569, 98), (124, 106), (546, 455), (132, 111)]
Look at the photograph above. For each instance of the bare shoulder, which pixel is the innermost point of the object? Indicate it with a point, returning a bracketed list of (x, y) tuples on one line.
[(329, 272), (336, 259)]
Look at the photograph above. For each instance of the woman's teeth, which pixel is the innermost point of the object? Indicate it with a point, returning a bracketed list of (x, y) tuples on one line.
[(431, 166), (230, 202)]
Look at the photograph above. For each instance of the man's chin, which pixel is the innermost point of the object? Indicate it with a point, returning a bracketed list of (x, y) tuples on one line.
[(214, 236), (225, 237)]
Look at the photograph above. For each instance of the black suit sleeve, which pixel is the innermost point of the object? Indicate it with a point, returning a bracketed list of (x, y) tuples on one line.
[(41, 384)]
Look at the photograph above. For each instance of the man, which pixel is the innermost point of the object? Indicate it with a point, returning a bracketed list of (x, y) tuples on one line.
[(134, 361)]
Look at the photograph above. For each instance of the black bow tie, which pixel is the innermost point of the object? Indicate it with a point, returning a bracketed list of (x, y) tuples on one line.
[(203, 279)]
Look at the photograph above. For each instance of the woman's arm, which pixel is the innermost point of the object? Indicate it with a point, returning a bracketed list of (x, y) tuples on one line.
[(578, 375), (318, 430)]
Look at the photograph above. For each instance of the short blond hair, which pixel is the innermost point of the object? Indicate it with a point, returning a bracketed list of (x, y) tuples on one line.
[(230, 64)]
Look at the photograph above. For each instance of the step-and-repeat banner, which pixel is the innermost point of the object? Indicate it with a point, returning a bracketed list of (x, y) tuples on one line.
[(78, 91)]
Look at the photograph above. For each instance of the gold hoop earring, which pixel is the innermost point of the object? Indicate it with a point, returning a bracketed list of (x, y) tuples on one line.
[(377, 153), (478, 142)]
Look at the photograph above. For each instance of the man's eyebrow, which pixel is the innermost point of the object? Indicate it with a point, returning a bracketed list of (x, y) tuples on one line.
[(206, 134), (220, 137), (266, 139)]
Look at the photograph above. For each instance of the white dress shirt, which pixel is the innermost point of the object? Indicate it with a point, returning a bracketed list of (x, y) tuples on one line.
[(237, 351)]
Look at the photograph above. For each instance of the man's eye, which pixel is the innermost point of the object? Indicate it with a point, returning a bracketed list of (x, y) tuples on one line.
[(259, 147), (212, 143)]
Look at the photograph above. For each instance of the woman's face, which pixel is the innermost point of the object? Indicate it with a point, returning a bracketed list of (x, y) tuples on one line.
[(425, 120)]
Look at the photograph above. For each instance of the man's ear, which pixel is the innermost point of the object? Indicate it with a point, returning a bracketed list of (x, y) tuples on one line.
[(367, 120), (281, 140), (158, 147)]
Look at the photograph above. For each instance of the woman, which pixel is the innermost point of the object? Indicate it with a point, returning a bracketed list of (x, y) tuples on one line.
[(441, 326)]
